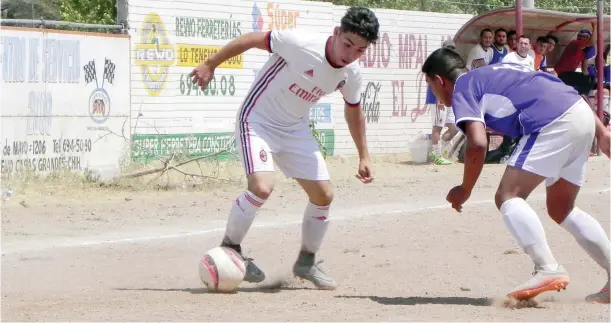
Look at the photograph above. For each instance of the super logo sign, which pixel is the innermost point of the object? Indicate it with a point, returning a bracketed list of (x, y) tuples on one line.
[(277, 18), (154, 54)]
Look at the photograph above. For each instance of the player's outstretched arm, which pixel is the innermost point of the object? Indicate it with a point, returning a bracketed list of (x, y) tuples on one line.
[(475, 155), (602, 135), (356, 124), (238, 46)]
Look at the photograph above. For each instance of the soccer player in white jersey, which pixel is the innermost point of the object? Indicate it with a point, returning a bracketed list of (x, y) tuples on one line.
[(520, 55), (272, 125), (557, 128)]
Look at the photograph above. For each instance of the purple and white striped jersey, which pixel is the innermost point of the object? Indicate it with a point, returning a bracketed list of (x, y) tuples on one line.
[(511, 99)]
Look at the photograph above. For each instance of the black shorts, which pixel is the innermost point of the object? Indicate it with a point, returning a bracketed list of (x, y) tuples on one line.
[(580, 82)]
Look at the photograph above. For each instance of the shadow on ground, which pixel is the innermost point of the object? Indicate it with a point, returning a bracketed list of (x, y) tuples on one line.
[(417, 300), (254, 289)]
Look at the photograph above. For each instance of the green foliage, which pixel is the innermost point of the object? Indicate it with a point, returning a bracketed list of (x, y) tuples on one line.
[(31, 9), (474, 7), (316, 136), (89, 11)]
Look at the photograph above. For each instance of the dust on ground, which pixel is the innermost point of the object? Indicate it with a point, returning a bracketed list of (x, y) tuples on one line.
[(75, 250)]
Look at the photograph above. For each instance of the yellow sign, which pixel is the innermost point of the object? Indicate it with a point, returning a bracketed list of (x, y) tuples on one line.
[(193, 55), (154, 54)]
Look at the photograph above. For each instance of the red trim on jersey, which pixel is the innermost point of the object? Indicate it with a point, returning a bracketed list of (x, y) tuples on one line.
[(352, 105), (268, 41), (327, 50)]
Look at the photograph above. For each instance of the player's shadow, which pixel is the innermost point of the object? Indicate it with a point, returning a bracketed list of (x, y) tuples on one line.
[(417, 300), (253, 289)]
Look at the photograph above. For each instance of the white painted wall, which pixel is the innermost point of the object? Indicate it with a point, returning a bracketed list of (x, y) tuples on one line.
[(394, 102), (50, 115)]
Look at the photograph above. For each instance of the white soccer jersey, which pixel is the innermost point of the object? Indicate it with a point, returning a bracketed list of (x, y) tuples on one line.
[(478, 55), (513, 57), (294, 78)]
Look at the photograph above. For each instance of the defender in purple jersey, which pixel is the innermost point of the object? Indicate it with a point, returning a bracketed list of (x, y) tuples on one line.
[(557, 128)]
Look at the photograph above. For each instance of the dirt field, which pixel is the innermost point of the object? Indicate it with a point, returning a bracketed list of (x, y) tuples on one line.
[(78, 253)]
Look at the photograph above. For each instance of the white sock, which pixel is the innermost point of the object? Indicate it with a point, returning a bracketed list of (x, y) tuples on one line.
[(526, 228), (590, 235), (437, 148), (242, 215), (314, 227)]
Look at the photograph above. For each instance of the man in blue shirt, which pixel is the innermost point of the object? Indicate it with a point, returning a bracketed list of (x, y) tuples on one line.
[(557, 128)]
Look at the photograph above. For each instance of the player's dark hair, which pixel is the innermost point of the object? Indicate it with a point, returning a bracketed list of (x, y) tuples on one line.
[(485, 30), (511, 33), (554, 38), (445, 63), (361, 21), (543, 39), (500, 30)]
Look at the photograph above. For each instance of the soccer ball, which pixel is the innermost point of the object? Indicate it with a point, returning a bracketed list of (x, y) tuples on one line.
[(222, 269)]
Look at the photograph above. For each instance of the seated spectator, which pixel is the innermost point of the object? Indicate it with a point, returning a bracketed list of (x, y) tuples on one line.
[(520, 56), (512, 40), (540, 51), (481, 54), (499, 48), (593, 72)]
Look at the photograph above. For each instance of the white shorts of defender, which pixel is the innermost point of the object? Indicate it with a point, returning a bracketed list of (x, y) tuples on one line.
[(561, 149), (295, 152), (440, 117)]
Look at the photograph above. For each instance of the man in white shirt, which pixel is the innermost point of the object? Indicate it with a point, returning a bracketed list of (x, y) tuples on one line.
[(481, 54), (273, 125), (520, 56)]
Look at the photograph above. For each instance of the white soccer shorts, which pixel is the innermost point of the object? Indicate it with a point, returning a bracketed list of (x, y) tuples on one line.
[(440, 117), (295, 152), (561, 149)]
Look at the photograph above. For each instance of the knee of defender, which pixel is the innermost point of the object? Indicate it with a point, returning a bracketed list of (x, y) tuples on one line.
[(499, 198), (322, 197), (261, 190)]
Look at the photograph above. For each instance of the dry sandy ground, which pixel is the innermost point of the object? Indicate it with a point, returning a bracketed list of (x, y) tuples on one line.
[(397, 249)]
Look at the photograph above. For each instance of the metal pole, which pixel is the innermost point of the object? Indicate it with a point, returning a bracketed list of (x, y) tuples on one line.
[(600, 65), (519, 30)]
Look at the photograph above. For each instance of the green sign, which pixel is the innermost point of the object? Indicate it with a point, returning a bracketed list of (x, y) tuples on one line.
[(147, 148), (326, 138)]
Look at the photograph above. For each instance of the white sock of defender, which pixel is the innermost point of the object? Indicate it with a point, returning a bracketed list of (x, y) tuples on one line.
[(242, 215), (590, 235), (314, 227), (526, 228)]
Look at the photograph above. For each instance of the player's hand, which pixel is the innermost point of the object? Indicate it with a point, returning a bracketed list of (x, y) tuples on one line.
[(364, 173), (202, 75), (457, 196), (604, 143)]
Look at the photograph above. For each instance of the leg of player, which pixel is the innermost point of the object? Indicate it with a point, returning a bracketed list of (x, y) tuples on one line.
[(243, 211), (525, 226), (259, 169), (438, 121), (585, 229), (314, 227)]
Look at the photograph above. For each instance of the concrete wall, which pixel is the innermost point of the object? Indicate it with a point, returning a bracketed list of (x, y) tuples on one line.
[(63, 95), (64, 119)]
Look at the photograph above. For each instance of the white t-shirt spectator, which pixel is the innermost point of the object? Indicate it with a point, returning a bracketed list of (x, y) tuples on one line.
[(478, 57), (514, 57)]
